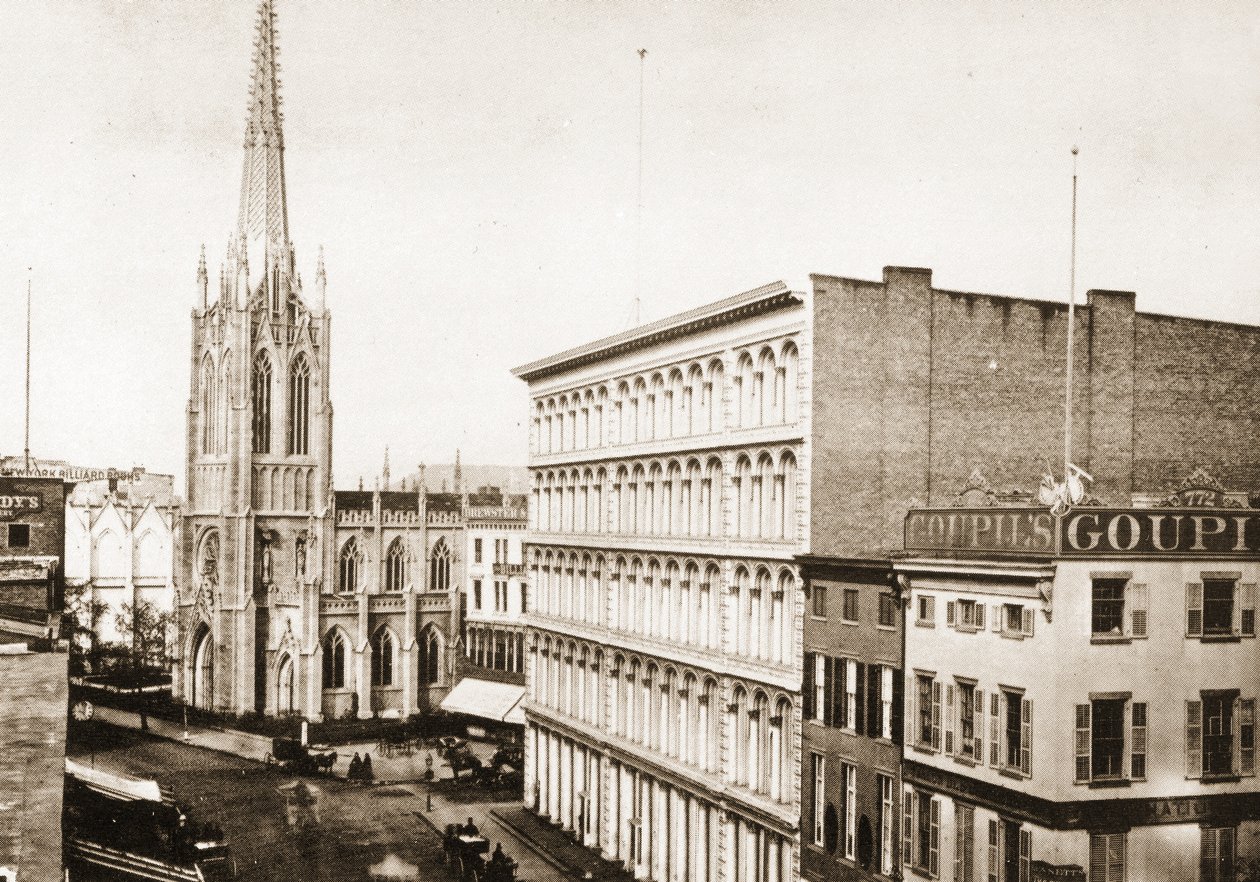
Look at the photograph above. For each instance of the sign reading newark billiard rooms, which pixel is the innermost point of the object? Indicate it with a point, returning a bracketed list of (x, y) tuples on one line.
[(1086, 532)]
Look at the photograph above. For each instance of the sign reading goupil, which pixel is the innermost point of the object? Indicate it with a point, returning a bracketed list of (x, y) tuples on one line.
[(1014, 530), (1149, 532), (1091, 532)]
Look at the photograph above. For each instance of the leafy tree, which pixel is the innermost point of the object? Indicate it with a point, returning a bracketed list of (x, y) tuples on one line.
[(144, 628), (82, 620)]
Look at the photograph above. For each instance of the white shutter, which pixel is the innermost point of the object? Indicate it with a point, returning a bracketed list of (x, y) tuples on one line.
[(1137, 610), (1248, 604), (1025, 735), (1194, 609), (995, 742), (1247, 736), (1194, 739), (1025, 856), (996, 623), (979, 616), (907, 826), (950, 608), (994, 842), (1026, 621), (934, 838), (936, 715), (977, 725), (949, 719), (1082, 742)]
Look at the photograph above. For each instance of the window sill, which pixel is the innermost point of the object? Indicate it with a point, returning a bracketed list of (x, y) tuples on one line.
[(886, 627), (919, 624), (1098, 639), (1228, 778), (844, 621), (1105, 783), (1007, 772), (965, 761), (922, 748), (1219, 638)]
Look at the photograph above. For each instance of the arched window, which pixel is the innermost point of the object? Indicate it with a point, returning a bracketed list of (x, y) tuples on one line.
[(209, 406), (262, 403), (431, 648), (335, 650), (440, 567), (348, 567), (396, 566), (383, 657), (224, 404), (299, 407)]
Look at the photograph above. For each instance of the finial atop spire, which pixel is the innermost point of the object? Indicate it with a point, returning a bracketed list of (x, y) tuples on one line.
[(385, 470), (321, 280), (459, 473), (203, 279), (264, 220)]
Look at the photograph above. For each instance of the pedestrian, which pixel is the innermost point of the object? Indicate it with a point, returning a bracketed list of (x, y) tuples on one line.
[(470, 829), (365, 770), (356, 768)]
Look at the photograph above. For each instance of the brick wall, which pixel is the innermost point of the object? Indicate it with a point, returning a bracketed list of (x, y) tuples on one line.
[(915, 387)]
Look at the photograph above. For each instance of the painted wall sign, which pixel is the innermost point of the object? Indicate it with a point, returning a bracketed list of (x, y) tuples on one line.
[(16, 502), (1086, 532), (1152, 532), (1011, 530)]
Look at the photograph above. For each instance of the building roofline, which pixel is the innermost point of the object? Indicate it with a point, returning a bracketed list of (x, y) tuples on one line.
[(758, 301)]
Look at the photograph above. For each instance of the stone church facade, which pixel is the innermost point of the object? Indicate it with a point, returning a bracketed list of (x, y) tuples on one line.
[(293, 598)]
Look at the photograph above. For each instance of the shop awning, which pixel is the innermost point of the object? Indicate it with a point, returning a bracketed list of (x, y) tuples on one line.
[(490, 701)]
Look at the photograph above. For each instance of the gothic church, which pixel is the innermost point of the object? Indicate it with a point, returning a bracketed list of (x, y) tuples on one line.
[(295, 599)]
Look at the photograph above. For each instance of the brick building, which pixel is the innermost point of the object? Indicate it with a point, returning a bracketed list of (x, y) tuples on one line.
[(32, 543)]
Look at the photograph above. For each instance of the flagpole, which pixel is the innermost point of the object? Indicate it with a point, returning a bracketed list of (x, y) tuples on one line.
[(1071, 328), (26, 453)]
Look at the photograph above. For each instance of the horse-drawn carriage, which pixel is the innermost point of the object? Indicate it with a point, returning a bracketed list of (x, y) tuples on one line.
[(465, 854), (294, 756)]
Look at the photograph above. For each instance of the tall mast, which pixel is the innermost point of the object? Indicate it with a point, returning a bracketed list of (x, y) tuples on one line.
[(26, 451), (1071, 328)]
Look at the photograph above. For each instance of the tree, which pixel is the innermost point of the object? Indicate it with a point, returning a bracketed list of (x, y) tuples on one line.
[(144, 628), (82, 619)]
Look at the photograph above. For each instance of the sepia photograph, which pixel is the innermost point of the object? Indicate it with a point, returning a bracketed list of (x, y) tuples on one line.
[(758, 441)]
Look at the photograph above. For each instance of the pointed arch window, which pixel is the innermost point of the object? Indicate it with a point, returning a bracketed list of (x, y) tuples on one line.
[(383, 658), (396, 566), (440, 567), (430, 656), (224, 405), (299, 407), (348, 567), (209, 406), (335, 660), (262, 403)]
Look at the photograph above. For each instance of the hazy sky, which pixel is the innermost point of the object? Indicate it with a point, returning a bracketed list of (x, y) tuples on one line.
[(470, 169)]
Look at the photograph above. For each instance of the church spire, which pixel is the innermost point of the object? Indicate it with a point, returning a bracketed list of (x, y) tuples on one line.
[(263, 223)]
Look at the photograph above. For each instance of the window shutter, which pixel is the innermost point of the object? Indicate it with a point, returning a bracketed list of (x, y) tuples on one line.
[(1194, 739), (979, 616), (934, 838), (898, 703), (1235, 618), (993, 850), (1082, 742), (828, 672), (1207, 855), (1098, 843), (996, 621), (907, 826), (874, 701), (950, 608), (807, 698), (1137, 610), (859, 725), (936, 715), (977, 724), (1026, 621), (1194, 609), (931, 609), (1247, 736), (1248, 605), (840, 709), (1025, 735), (949, 719), (995, 744), (1137, 752), (1025, 856)]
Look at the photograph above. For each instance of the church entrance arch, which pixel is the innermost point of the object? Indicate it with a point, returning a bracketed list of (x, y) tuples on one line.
[(284, 686), (202, 674)]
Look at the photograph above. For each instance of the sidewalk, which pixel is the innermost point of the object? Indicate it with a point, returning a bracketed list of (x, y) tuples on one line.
[(558, 845)]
